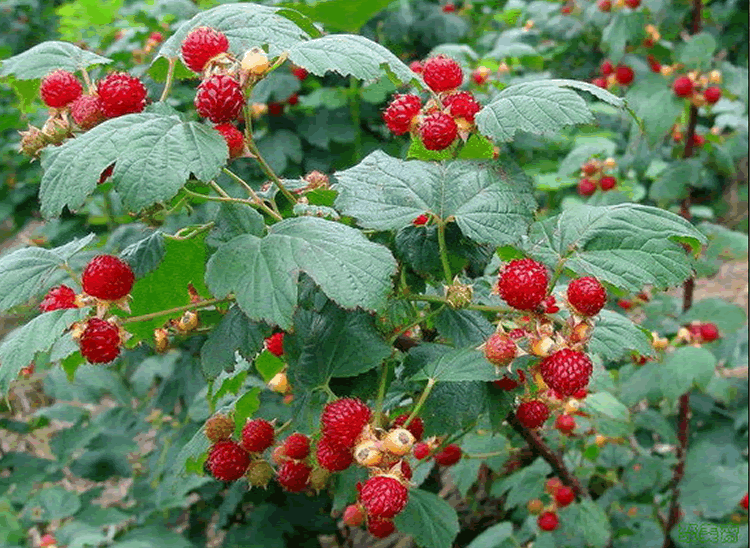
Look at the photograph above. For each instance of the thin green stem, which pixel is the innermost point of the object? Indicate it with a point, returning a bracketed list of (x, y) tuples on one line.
[(381, 393), (170, 78), (254, 197), (192, 306), (444, 252), (190, 232), (424, 396), (425, 298), (419, 321), (219, 190), (354, 109), (266, 168), (485, 455), (87, 80), (218, 198), (442, 300), (330, 393)]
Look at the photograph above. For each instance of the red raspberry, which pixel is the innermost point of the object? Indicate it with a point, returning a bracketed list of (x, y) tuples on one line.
[(201, 45), (604, 5), (218, 428), (420, 220), (437, 131), (86, 112), (234, 138), (607, 183), (698, 140), (517, 334), (58, 298), (257, 435), (442, 73), (600, 83), (567, 9), (564, 496), (108, 278), (406, 470), (624, 75), (566, 371), (547, 521), (300, 73), (421, 450), (462, 104), (343, 420), (275, 344), (586, 295), (506, 383), (654, 64), (47, 541), (401, 112), (589, 168), (549, 306), (383, 497), (297, 446), (633, 4), (500, 349), (100, 341), (60, 88), (709, 332), (480, 76), (625, 304), (552, 485), (523, 284), (106, 174), (744, 502), (380, 528), (293, 99), (416, 426), (582, 392), (712, 95), (607, 68), (293, 476), (219, 98), (332, 456), (354, 515), (156, 37), (565, 423), (449, 8), (683, 86), (532, 414), (449, 455), (416, 67), (120, 93)]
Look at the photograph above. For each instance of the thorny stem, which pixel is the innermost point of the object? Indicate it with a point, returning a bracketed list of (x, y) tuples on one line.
[(556, 462), (254, 197), (444, 253), (421, 401), (192, 306), (169, 80), (684, 407)]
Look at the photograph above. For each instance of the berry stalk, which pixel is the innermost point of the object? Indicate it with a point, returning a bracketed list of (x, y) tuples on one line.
[(254, 197), (192, 306), (443, 251), (169, 80), (421, 401)]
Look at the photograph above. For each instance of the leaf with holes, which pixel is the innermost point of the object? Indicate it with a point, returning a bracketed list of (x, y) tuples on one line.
[(491, 201)]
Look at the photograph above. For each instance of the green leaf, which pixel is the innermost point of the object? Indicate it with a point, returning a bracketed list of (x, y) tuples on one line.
[(21, 345), (332, 343), (245, 25), (523, 485), (154, 154), (54, 503), (538, 107), (493, 536), (615, 36), (145, 255), (245, 407), (351, 55), (43, 58), (235, 333), (344, 15), (604, 403), (454, 366), (615, 336), (591, 518), (234, 220), (429, 519), (167, 286), (453, 406), (674, 182), (728, 317), (417, 151), (463, 327), (656, 105), (477, 147), (506, 47), (684, 368), (647, 473), (643, 383), (268, 365), (263, 272), (698, 51), (490, 201), (626, 245)]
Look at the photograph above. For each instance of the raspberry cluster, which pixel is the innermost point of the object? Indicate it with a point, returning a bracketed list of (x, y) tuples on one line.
[(597, 174), (559, 496), (560, 378), (438, 124), (700, 89), (606, 6), (611, 75)]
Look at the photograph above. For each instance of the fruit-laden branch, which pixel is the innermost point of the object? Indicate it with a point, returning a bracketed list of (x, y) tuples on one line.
[(674, 514), (541, 448)]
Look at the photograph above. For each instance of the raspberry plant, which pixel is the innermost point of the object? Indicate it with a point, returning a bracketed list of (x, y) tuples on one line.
[(319, 263)]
